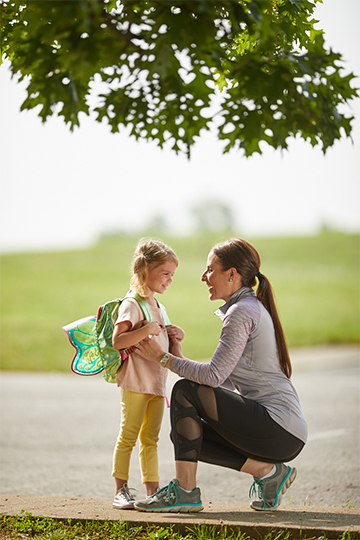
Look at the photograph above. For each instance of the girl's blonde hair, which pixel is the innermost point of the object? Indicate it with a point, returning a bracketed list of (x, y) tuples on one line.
[(149, 254)]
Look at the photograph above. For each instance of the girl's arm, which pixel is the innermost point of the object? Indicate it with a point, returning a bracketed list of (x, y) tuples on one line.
[(176, 335), (175, 332), (175, 348), (123, 337)]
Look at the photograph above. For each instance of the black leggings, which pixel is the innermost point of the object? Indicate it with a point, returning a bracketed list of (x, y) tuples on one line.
[(217, 426)]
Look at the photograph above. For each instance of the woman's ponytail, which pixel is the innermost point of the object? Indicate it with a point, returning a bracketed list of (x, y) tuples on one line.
[(266, 296), (239, 254)]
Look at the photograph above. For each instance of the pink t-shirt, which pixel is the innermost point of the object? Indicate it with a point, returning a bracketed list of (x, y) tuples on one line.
[(138, 374)]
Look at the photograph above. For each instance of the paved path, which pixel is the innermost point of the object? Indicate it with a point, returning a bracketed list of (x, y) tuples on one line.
[(311, 521), (57, 434)]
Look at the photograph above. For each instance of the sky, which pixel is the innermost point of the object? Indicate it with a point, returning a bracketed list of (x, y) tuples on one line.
[(61, 190)]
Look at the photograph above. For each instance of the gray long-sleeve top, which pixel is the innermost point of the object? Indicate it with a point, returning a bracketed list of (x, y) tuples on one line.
[(246, 360)]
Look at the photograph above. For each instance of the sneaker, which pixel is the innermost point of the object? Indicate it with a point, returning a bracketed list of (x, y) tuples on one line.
[(124, 499), (172, 498), (270, 490)]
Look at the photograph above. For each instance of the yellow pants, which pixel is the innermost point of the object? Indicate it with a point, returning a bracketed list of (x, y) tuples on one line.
[(141, 416)]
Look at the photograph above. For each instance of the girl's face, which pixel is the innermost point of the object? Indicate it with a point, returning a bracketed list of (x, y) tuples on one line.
[(217, 280), (160, 277)]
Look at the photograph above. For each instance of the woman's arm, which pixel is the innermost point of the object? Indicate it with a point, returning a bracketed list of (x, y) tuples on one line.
[(237, 326), (212, 374), (207, 374)]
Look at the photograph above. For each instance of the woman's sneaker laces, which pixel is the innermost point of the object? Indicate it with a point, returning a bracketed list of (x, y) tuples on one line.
[(270, 490), (172, 498)]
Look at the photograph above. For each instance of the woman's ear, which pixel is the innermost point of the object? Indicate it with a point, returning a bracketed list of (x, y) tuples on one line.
[(235, 277), (232, 272)]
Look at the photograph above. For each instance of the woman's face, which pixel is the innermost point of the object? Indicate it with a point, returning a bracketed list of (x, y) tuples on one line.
[(217, 280)]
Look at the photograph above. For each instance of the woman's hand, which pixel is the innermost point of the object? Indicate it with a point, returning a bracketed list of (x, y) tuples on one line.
[(150, 350)]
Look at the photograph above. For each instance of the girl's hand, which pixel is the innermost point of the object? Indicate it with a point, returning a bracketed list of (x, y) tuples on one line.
[(175, 332), (152, 327)]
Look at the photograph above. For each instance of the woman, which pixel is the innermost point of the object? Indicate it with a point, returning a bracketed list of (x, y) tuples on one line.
[(241, 410)]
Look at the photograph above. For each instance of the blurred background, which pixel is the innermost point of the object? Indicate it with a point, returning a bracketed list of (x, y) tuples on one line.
[(63, 190), (73, 206)]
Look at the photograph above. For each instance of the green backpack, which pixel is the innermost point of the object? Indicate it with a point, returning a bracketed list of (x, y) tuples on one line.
[(92, 338)]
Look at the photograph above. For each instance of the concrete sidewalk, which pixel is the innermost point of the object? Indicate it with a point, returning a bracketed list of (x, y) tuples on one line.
[(299, 521), (57, 433), (58, 430)]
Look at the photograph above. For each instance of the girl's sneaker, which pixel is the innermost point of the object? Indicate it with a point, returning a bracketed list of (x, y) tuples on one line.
[(172, 498), (270, 490), (124, 499)]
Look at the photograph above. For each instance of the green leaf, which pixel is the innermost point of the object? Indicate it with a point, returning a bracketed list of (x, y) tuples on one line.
[(162, 62)]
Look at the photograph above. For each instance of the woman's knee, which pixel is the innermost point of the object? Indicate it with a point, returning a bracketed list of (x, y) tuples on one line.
[(182, 395), (182, 385)]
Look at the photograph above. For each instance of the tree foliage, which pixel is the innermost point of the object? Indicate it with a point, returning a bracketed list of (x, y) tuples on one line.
[(169, 69)]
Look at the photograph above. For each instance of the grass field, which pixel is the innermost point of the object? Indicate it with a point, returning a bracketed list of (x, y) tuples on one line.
[(26, 526), (316, 282)]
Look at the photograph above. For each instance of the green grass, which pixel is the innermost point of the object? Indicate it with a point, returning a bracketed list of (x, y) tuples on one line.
[(316, 282), (26, 526)]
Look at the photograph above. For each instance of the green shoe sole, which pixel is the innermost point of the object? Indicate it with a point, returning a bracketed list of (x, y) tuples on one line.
[(182, 508)]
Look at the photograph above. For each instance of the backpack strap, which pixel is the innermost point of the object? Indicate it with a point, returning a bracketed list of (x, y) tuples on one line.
[(146, 309), (164, 315), (143, 304)]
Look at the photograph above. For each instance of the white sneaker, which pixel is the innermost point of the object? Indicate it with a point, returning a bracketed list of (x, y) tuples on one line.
[(124, 499)]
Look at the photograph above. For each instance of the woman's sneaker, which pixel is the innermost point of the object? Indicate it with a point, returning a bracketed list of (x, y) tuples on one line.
[(124, 499), (270, 490), (172, 498)]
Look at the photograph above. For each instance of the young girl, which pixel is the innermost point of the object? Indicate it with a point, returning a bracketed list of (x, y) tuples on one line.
[(142, 382)]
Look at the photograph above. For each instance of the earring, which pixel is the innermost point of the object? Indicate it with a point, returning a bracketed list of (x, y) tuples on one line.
[(231, 279)]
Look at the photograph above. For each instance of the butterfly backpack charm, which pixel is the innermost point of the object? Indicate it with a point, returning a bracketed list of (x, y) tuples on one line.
[(92, 338), (82, 336)]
